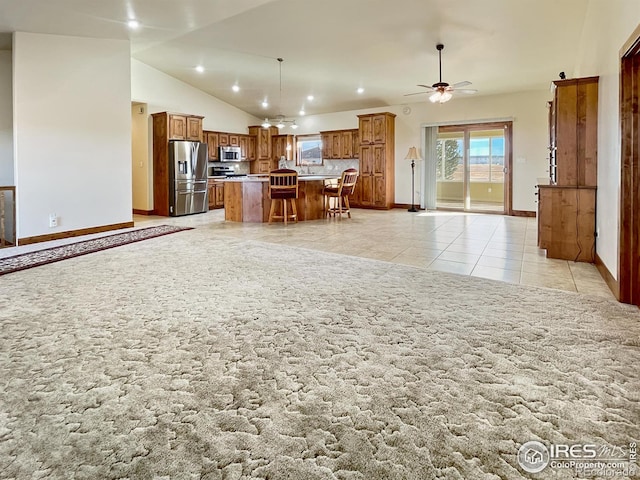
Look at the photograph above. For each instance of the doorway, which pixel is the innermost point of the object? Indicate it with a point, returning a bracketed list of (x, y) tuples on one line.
[(473, 167), (629, 236)]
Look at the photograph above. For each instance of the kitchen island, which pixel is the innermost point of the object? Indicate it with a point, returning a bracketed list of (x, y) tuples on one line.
[(246, 199)]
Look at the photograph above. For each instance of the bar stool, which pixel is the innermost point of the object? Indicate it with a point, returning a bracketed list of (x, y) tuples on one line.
[(340, 193), (283, 187)]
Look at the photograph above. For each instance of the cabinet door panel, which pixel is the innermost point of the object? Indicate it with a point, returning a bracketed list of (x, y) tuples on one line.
[(366, 192), (379, 160), (336, 150), (234, 140), (223, 139), (379, 129), (212, 146), (366, 130), (177, 127), (194, 129)]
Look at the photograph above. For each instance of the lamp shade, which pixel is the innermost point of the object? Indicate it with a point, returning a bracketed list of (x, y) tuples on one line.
[(413, 154)]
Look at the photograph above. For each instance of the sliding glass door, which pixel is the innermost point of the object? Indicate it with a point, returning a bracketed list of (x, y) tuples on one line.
[(471, 166)]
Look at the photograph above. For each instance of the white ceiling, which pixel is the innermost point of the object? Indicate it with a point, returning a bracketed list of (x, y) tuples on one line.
[(329, 47)]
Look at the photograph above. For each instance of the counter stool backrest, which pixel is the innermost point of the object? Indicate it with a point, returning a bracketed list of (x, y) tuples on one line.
[(283, 183), (348, 181)]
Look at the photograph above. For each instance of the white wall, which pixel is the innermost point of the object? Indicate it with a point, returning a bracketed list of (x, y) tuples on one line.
[(530, 135), (6, 119), (608, 26), (72, 132), (162, 92)]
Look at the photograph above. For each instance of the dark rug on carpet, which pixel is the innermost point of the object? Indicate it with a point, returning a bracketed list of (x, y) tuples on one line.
[(62, 252)]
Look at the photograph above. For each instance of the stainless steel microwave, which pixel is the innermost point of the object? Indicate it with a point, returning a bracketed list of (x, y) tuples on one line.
[(229, 153)]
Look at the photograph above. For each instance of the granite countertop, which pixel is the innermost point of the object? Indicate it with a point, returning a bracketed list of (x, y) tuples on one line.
[(265, 178)]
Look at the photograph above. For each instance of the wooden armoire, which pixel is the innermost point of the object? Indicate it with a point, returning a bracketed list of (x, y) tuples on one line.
[(567, 202)]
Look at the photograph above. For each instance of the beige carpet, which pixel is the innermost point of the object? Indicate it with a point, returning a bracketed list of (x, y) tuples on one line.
[(195, 357)]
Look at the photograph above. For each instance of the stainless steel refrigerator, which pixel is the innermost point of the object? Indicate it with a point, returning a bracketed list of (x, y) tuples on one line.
[(187, 178)]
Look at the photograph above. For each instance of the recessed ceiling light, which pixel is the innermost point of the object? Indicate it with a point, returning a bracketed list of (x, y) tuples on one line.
[(265, 104), (360, 90), (301, 113), (310, 98), (235, 88), (199, 69), (133, 24)]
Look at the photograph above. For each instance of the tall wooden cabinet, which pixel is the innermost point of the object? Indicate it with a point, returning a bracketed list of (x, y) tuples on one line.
[(169, 126), (567, 202), (376, 184)]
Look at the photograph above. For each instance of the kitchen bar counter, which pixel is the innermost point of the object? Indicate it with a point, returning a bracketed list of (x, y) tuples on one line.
[(246, 199)]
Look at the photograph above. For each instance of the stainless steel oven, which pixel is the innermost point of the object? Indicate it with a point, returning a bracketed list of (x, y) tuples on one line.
[(230, 154)]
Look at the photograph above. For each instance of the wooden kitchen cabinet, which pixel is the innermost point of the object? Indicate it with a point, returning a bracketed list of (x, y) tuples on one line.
[(340, 144), (212, 141), (282, 146), (216, 194), (183, 127), (223, 139), (243, 141), (234, 140), (263, 148), (376, 184), (374, 128)]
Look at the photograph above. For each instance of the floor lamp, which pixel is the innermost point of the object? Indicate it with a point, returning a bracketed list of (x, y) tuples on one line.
[(413, 156)]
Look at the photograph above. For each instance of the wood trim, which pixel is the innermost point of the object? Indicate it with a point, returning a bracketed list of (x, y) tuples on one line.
[(523, 213), (611, 282), (629, 222), (142, 212), (73, 233)]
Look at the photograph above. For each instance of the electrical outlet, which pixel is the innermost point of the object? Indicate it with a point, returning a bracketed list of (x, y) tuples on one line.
[(53, 220), (489, 189)]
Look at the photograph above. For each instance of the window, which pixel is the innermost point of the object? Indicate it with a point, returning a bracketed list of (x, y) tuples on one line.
[(309, 150)]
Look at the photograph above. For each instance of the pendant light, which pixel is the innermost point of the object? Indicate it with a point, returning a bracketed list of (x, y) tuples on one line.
[(280, 120)]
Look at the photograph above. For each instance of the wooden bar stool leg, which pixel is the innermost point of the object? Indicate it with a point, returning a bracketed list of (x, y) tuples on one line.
[(272, 210), (294, 208), (284, 202), (346, 201)]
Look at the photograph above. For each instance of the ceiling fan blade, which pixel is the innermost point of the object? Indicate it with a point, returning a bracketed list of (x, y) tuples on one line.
[(428, 87), (417, 93), (461, 84), (468, 91)]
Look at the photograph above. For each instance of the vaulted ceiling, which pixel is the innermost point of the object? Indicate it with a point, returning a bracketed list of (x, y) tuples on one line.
[(330, 47)]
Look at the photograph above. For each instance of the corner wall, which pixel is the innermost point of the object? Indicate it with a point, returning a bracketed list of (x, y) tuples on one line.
[(72, 132), (608, 26)]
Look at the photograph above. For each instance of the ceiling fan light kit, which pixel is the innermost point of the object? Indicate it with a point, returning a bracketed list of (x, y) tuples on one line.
[(440, 91)]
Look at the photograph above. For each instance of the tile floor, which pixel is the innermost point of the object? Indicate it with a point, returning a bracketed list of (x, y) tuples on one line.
[(490, 246)]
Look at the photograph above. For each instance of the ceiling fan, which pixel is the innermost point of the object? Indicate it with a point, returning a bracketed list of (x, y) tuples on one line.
[(441, 91)]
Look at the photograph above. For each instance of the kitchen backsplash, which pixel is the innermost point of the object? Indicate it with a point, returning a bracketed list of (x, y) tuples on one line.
[(328, 166)]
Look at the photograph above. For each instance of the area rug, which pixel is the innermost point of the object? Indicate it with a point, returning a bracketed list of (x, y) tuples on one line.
[(201, 356), (55, 254)]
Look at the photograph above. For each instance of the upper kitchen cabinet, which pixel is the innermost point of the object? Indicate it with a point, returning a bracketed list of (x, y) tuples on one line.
[(282, 146), (212, 140), (376, 128), (182, 126), (340, 144)]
